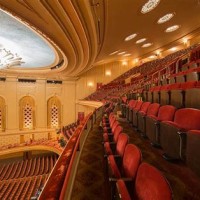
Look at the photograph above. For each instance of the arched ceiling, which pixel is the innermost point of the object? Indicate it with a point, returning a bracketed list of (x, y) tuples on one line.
[(84, 33)]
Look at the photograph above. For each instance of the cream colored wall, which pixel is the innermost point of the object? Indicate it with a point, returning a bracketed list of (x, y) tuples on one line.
[(97, 75), (12, 91)]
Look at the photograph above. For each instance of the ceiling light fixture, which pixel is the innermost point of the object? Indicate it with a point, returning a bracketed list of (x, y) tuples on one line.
[(9, 59), (124, 63), (114, 52), (130, 37), (165, 18), (172, 28), (173, 49), (121, 53), (149, 6), (141, 40), (147, 45), (128, 54)]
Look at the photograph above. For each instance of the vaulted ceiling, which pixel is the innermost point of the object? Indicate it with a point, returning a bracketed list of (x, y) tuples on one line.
[(83, 33)]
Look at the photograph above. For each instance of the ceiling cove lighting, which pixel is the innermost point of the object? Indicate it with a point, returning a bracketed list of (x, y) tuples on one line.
[(147, 45), (149, 6), (130, 37), (121, 53), (114, 52), (141, 40), (172, 28), (9, 59)]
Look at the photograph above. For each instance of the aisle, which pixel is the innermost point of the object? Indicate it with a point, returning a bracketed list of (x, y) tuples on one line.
[(89, 181)]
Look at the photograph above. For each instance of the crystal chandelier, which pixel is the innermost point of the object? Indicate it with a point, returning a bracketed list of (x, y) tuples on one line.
[(149, 6), (9, 59)]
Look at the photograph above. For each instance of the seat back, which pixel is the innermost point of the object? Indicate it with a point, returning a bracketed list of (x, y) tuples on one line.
[(131, 161), (153, 109), (151, 184), (166, 113), (121, 144), (145, 106), (116, 133), (138, 106), (188, 118), (115, 124)]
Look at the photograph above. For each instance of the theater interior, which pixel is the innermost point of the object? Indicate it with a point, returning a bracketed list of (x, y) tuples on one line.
[(100, 99)]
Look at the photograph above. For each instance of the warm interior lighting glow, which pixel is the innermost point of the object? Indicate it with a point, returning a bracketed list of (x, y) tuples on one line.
[(130, 37), (108, 73), (146, 45), (121, 53), (114, 52), (128, 54), (149, 6), (173, 49), (172, 28), (124, 63), (152, 57), (140, 40), (165, 18), (90, 84), (185, 41)]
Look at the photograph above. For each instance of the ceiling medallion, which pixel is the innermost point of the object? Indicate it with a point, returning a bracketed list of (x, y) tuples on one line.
[(150, 5), (9, 59), (130, 37), (141, 40), (172, 28), (147, 45), (165, 18)]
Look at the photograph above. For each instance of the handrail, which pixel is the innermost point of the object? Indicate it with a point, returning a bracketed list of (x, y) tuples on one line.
[(66, 181), (54, 184)]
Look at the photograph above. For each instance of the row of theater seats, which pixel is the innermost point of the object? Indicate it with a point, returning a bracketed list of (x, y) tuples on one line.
[(69, 130), (180, 95), (26, 168), (174, 130), (129, 177), (22, 188)]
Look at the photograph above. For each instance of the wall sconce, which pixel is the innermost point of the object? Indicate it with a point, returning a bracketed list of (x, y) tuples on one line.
[(90, 84), (108, 73), (173, 49)]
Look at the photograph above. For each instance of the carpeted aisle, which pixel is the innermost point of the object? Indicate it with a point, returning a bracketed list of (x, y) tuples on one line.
[(90, 181)]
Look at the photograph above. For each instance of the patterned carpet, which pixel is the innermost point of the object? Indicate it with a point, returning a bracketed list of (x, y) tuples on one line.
[(91, 184)]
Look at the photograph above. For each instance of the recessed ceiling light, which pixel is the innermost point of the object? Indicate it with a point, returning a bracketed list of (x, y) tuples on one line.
[(130, 37), (128, 54), (165, 18), (172, 28), (114, 52), (141, 40), (150, 5), (173, 49), (147, 45), (121, 53)]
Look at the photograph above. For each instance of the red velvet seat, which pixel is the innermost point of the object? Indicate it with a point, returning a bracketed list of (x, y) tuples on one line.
[(172, 133), (119, 147), (165, 113), (143, 109), (192, 150), (128, 166), (192, 96), (150, 184), (109, 137), (152, 110), (136, 109), (131, 108), (131, 102)]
